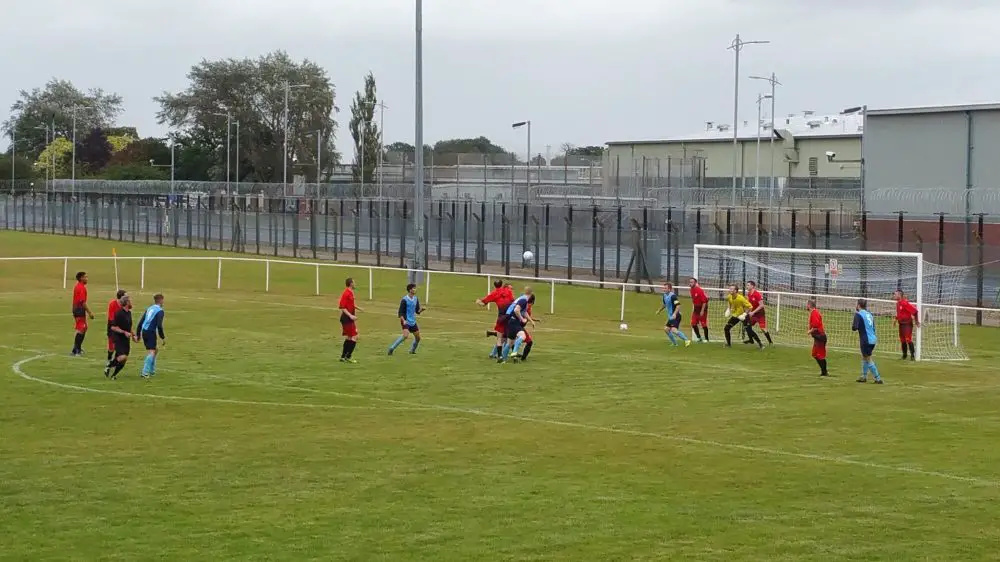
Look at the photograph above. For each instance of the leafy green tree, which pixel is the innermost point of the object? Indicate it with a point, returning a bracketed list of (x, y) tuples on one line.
[(447, 152), (55, 104), (252, 91), (56, 158), (24, 168), (578, 155), (364, 131), (403, 153), (141, 152), (135, 172)]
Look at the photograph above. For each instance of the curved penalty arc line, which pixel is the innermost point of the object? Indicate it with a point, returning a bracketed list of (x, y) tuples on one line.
[(18, 369)]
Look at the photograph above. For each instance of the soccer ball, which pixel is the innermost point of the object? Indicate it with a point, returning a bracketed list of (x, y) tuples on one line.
[(528, 256), (623, 326)]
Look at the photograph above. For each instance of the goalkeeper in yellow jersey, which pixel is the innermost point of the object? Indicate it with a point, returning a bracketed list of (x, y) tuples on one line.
[(737, 307)]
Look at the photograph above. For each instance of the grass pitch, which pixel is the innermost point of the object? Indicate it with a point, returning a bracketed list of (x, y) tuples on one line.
[(254, 443)]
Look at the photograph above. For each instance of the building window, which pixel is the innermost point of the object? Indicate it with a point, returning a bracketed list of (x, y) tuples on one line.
[(813, 166)]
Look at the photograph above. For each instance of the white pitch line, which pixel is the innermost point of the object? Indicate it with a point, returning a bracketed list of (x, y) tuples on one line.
[(765, 451), (18, 369)]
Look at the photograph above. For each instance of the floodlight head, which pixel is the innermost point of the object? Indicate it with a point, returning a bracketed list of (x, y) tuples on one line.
[(518, 125)]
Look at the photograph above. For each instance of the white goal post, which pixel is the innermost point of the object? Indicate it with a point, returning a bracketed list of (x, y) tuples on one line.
[(789, 277)]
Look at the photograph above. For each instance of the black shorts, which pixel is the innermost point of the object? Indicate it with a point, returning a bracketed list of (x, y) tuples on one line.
[(412, 328), (867, 349), (514, 326), (149, 340), (674, 322), (123, 345)]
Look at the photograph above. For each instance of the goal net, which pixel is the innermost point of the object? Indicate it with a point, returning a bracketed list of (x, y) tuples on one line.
[(788, 277)]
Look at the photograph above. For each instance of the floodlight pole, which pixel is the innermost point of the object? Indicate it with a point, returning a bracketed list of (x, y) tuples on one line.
[(418, 140), (737, 46)]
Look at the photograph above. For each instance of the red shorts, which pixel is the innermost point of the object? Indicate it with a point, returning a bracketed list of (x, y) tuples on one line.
[(111, 344), (699, 317), (350, 330), (906, 333), (80, 323), (759, 320), (501, 326), (819, 350)]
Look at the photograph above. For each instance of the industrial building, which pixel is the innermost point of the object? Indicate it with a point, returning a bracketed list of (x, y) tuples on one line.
[(796, 154)]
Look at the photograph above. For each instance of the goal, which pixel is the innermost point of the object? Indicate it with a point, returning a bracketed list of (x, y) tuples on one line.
[(789, 277)]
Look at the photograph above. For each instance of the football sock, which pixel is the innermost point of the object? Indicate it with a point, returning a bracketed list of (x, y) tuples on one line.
[(705, 328), (527, 349), (491, 334), (118, 368), (874, 370), (147, 364), (111, 355), (697, 332), (822, 366), (728, 333), (78, 342), (505, 351), (413, 348), (350, 348), (154, 356), (681, 335), (347, 345), (768, 336), (913, 351), (864, 369), (517, 345), (397, 343), (905, 349), (672, 339)]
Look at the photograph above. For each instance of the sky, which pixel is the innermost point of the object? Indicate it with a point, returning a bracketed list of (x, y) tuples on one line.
[(583, 71)]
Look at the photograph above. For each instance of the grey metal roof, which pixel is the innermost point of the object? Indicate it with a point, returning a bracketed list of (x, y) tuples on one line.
[(917, 110), (800, 126)]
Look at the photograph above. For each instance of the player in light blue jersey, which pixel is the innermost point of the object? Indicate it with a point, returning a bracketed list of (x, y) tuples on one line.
[(409, 308), (150, 326), (864, 325), (517, 319), (672, 306)]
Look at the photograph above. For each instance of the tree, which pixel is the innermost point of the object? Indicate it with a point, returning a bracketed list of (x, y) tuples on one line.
[(141, 152), (24, 168), (55, 159), (93, 152), (135, 172), (364, 131), (447, 152), (253, 92), (55, 104), (578, 155), (403, 153), (538, 160)]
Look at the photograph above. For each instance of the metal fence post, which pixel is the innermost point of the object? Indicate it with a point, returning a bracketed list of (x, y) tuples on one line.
[(454, 227), (465, 232), (548, 226), (980, 243), (378, 232), (593, 240), (534, 221), (402, 236), (618, 241), (357, 231), (569, 242), (480, 229), (600, 241)]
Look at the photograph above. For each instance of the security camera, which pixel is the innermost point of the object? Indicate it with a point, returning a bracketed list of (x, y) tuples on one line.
[(152, 160), (295, 159), (830, 155)]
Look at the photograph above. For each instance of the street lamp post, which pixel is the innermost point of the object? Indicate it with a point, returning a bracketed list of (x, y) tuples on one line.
[(418, 137), (527, 125), (237, 156), (756, 179), (773, 81), (229, 133), (288, 88), (737, 46), (72, 181)]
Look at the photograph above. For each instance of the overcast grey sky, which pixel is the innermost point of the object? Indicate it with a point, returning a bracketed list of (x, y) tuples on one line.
[(583, 71)]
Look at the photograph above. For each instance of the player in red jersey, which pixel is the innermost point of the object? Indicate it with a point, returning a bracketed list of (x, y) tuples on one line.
[(757, 315), (818, 334), (81, 312), (348, 320), (501, 295), (907, 317), (113, 307), (528, 340), (699, 310)]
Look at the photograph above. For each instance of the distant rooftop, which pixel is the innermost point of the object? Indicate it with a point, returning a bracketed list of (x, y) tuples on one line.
[(806, 124)]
